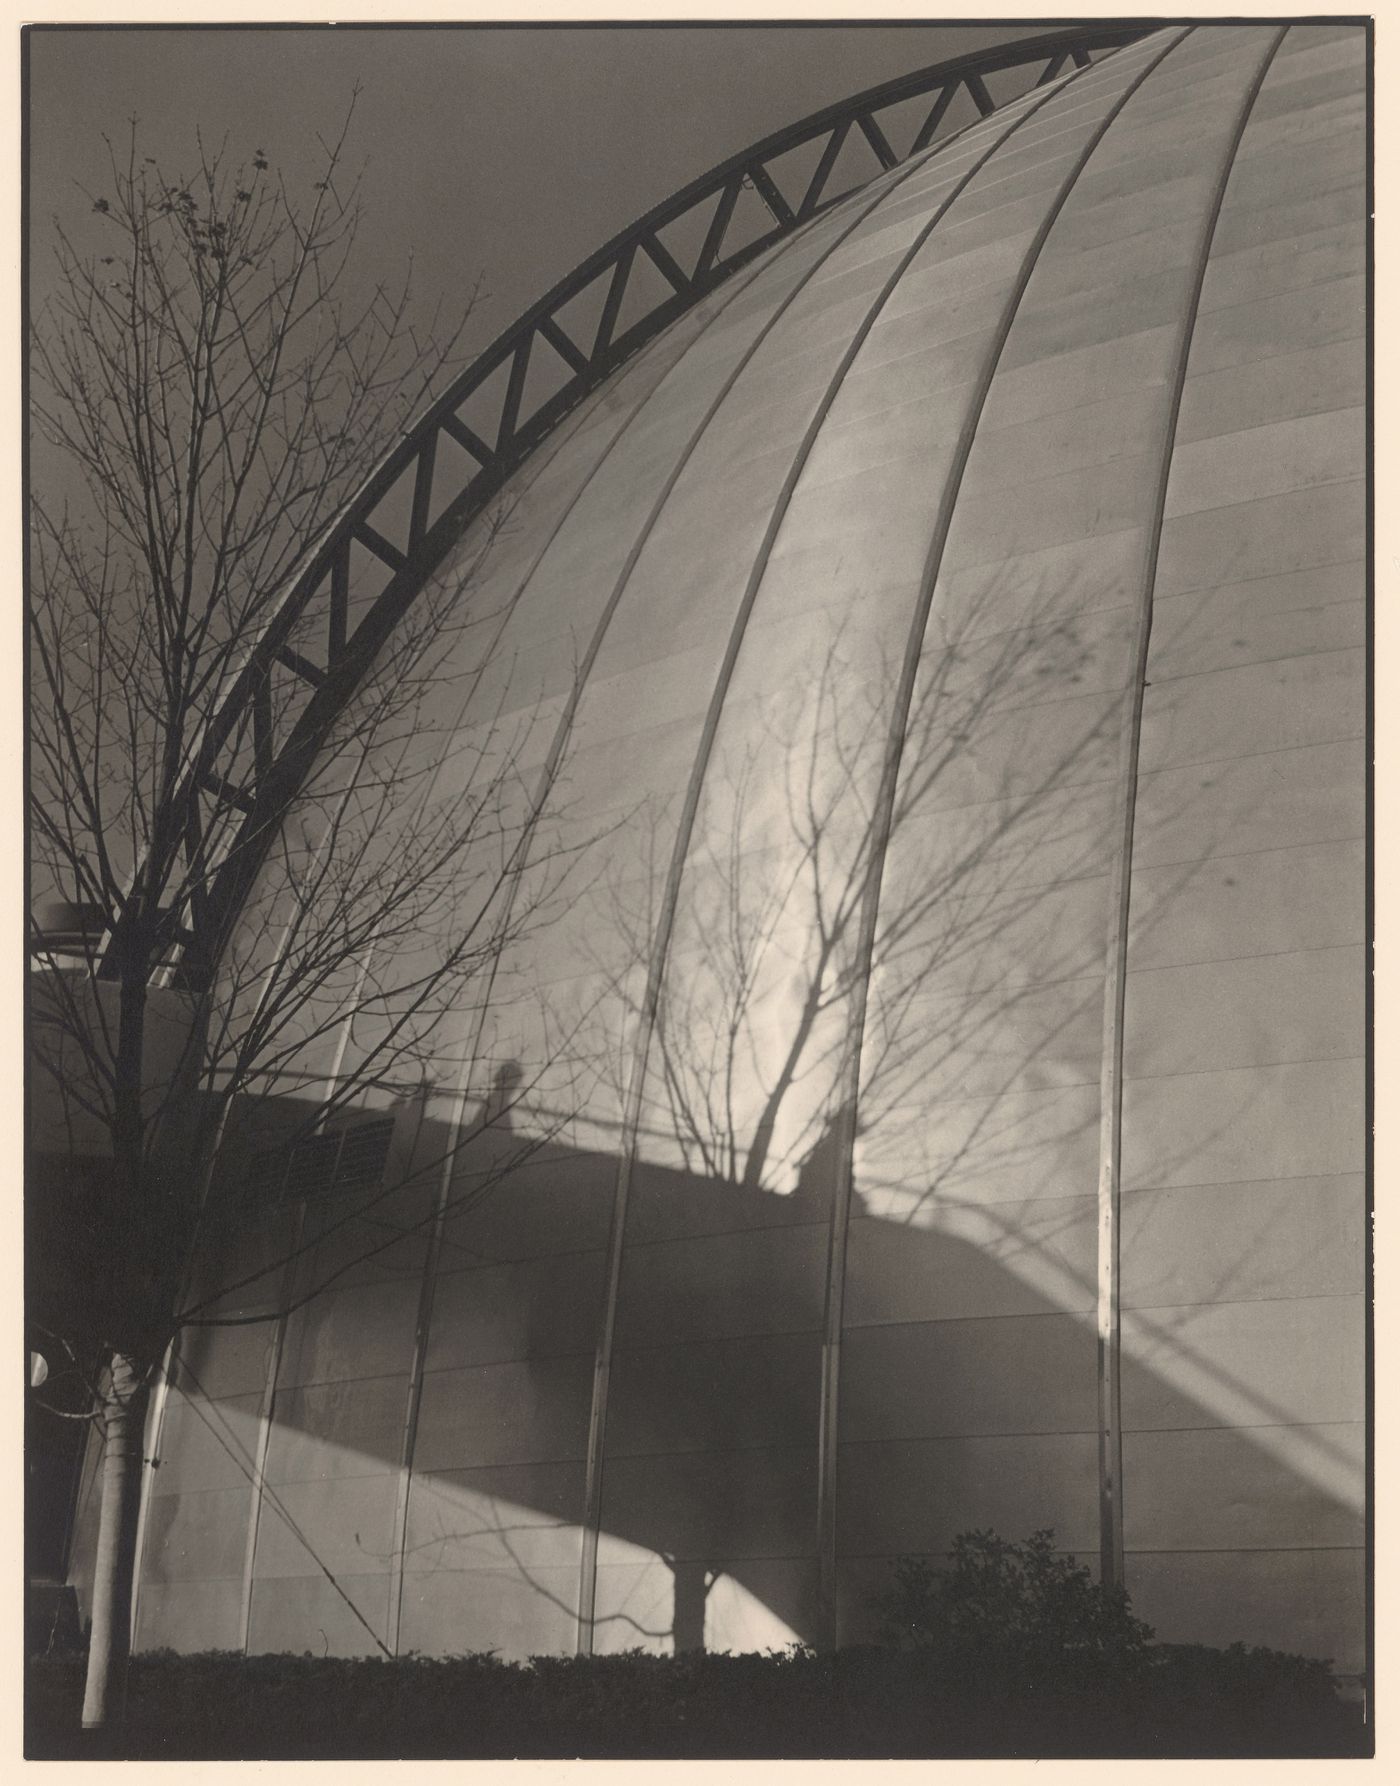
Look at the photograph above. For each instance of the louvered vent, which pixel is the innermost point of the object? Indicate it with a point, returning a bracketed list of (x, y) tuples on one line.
[(333, 1163)]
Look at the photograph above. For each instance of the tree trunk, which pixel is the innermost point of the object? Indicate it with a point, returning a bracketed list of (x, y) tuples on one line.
[(124, 1432), (691, 1588)]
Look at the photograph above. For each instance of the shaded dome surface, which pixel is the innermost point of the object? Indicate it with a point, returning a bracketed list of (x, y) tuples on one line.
[(939, 659)]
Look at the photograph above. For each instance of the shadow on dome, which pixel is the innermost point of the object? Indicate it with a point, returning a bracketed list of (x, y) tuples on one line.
[(968, 1398)]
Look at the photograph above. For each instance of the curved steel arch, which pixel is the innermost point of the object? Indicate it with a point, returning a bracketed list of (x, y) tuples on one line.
[(218, 779)]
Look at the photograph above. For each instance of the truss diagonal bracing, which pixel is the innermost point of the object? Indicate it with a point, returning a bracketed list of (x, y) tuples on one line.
[(256, 751)]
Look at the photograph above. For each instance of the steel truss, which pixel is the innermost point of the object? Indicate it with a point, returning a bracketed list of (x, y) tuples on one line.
[(393, 535)]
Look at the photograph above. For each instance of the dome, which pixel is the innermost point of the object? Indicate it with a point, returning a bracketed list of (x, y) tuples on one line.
[(930, 1084)]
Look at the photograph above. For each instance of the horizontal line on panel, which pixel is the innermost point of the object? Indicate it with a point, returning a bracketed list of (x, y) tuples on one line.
[(797, 1447), (628, 1346), (1019, 887), (188, 1581), (941, 997), (178, 1396), (1013, 1091), (980, 489), (1039, 1314), (1046, 1094), (1338, 409), (1088, 1432), (389, 1469), (286, 1388), (506, 1264), (1225, 1184), (1079, 787), (758, 1556), (1040, 626), (1332, 564), (623, 1347), (1265, 265), (758, 852), (1261, 1066), (469, 1469), (240, 1487), (1250, 756), (725, 1233), (1074, 787), (1278, 849), (1111, 693), (1003, 559), (1324, 407), (945, 1201), (1187, 966), (641, 1562), (343, 1568), (962, 1438), (845, 1555), (486, 1364), (1358, 277), (1297, 570), (1173, 967), (1287, 657), (662, 1240), (1230, 1550), (422, 1473), (1147, 1308), (1247, 1426), (1139, 390), (804, 1446)]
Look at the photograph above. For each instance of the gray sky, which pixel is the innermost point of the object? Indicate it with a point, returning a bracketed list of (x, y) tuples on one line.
[(504, 154), (500, 155)]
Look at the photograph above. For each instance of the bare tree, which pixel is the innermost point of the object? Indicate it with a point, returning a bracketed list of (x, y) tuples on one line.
[(211, 382), (750, 1047)]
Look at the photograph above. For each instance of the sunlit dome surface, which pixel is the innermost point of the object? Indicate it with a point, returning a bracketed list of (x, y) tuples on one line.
[(942, 649)]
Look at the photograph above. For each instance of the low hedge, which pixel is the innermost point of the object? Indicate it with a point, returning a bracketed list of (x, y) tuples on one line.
[(870, 1702), (1011, 1649)]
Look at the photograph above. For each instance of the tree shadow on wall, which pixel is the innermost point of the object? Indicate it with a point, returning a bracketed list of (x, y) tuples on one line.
[(709, 1479), (969, 1374)]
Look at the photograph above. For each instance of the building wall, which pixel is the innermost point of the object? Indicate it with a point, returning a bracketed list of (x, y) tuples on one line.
[(821, 630)]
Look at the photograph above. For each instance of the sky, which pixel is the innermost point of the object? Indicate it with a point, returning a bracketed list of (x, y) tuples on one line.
[(500, 155), (494, 156)]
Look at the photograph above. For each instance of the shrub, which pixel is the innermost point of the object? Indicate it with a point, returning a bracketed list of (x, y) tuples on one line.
[(1010, 1650), (1243, 1673), (1019, 1617), (1019, 1611)]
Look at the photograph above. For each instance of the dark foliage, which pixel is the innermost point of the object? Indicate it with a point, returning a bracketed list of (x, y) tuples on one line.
[(794, 1704), (1020, 1613), (1012, 1650)]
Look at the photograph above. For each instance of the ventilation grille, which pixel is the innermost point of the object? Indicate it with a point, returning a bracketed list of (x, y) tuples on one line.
[(333, 1163)]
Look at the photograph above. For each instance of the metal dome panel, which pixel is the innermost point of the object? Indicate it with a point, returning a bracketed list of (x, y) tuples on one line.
[(937, 658)]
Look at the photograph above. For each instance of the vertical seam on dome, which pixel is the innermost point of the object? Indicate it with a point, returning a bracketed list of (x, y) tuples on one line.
[(263, 1438), (159, 1404), (155, 1432), (442, 1195), (681, 845), (171, 1361), (870, 901), (1108, 1305), (597, 1421), (557, 745), (563, 729)]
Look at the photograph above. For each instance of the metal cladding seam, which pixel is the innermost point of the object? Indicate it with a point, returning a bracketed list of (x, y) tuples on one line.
[(896, 537), (683, 840)]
